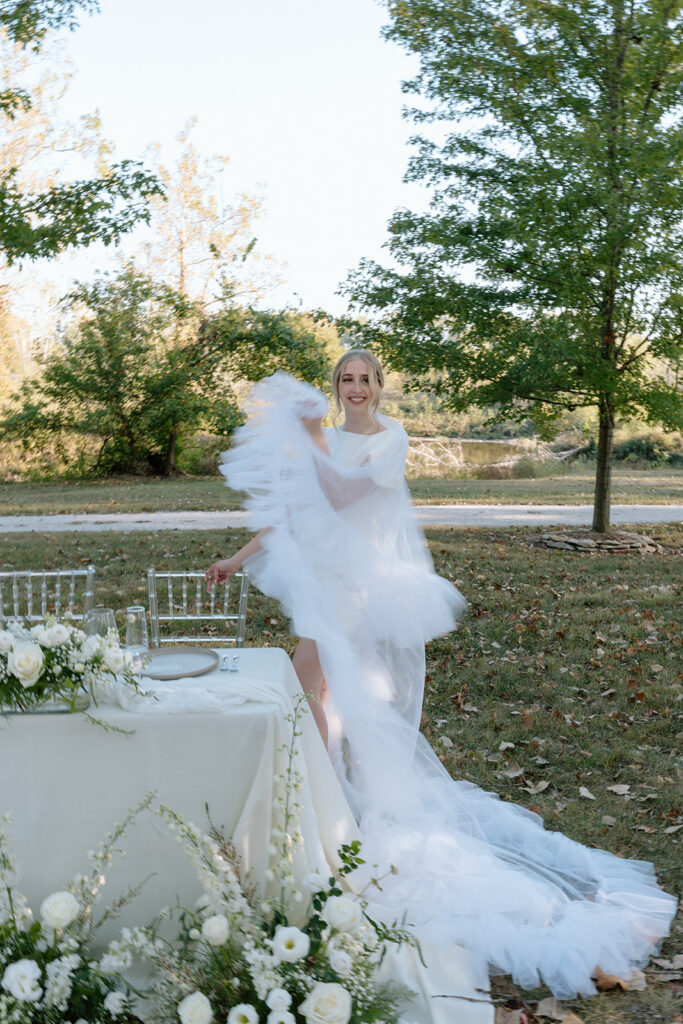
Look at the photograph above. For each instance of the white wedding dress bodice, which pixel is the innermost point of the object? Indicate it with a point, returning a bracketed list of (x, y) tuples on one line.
[(350, 566)]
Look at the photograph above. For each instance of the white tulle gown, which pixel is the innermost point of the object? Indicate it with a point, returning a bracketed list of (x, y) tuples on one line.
[(350, 567)]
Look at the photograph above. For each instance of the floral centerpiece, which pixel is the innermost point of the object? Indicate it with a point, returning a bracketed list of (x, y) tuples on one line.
[(56, 662), (47, 972), (238, 959)]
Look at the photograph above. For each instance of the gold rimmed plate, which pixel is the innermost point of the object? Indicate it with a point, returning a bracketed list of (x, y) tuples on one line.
[(178, 662)]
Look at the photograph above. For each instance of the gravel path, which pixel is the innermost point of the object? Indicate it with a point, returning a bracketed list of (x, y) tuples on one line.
[(429, 515)]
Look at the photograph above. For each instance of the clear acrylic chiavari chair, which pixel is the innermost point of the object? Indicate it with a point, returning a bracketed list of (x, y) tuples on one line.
[(33, 594), (185, 597)]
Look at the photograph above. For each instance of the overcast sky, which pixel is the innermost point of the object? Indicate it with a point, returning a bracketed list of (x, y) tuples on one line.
[(304, 96)]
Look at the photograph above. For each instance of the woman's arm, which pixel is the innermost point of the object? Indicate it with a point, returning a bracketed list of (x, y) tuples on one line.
[(219, 571)]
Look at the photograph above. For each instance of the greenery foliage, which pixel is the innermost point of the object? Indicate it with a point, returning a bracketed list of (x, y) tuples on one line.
[(42, 223), (141, 363), (556, 180)]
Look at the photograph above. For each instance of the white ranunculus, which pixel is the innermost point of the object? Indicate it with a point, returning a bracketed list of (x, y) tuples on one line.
[(316, 882), (113, 659), (343, 914), (115, 1003), (280, 1017), (216, 930), (59, 910), (290, 944), (25, 661), (327, 1003), (341, 962), (6, 641), (195, 1009), (278, 999), (57, 635), (21, 981), (243, 1014)]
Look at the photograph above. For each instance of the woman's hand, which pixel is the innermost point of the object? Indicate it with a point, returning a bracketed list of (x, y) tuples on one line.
[(314, 426), (220, 571)]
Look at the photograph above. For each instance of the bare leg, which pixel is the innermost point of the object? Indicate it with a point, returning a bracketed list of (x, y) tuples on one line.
[(307, 667)]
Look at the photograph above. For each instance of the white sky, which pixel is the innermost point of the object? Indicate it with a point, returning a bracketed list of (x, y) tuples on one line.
[(302, 95)]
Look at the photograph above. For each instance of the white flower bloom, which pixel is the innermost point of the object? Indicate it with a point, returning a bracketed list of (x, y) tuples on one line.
[(290, 944), (342, 914), (341, 962), (278, 999), (327, 1003), (113, 659), (243, 1014), (21, 981), (280, 1017), (195, 1009), (115, 1003), (6, 641), (25, 661), (56, 635), (316, 882), (216, 929), (59, 910)]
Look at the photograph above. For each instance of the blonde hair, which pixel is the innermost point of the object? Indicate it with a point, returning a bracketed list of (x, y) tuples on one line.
[(375, 376)]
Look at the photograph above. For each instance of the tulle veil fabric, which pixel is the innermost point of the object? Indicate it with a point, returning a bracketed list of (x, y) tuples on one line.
[(347, 561)]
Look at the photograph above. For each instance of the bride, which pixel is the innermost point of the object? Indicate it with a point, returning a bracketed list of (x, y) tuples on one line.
[(339, 547)]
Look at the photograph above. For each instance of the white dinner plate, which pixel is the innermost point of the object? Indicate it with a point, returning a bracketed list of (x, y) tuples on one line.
[(176, 662)]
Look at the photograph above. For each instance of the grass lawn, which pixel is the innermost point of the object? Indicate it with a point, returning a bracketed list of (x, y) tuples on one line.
[(135, 494), (569, 662)]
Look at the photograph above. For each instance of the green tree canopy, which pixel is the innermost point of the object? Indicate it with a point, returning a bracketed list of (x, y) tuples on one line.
[(548, 271), (141, 365), (43, 223)]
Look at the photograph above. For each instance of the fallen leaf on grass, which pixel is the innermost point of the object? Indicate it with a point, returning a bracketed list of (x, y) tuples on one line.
[(637, 982), (513, 771), (607, 819), (586, 793), (506, 1016), (621, 789), (676, 964), (672, 829), (607, 982), (551, 1008), (504, 745), (535, 787)]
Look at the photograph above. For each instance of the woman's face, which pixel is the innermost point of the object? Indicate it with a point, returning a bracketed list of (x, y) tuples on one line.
[(355, 391)]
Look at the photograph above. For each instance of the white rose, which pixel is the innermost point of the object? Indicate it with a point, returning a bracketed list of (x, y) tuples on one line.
[(57, 635), (340, 962), (115, 1003), (21, 981), (113, 659), (280, 1017), (342, 914), (290, 944), (243, 1014), (195, 1009), (59, 910), (25, 662), (316, 882), (278, 999), (328, 1003), (216, 930), (6, 641)]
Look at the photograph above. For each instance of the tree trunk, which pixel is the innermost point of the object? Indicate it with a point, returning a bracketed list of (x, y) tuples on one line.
[(169, 461), (603, 473)]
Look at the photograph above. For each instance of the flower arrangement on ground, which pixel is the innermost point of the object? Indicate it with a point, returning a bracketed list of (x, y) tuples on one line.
[(238, 959), (47, 974), (56, 661)]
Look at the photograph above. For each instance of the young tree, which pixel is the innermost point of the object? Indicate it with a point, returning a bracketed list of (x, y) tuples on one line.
[(548, 272), (141, 364)]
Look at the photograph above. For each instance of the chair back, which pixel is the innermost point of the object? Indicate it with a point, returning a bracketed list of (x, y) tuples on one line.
[(184, 596), (33, 594)]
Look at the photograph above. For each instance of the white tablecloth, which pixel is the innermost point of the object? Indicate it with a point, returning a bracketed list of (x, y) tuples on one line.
[(67, 782)]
